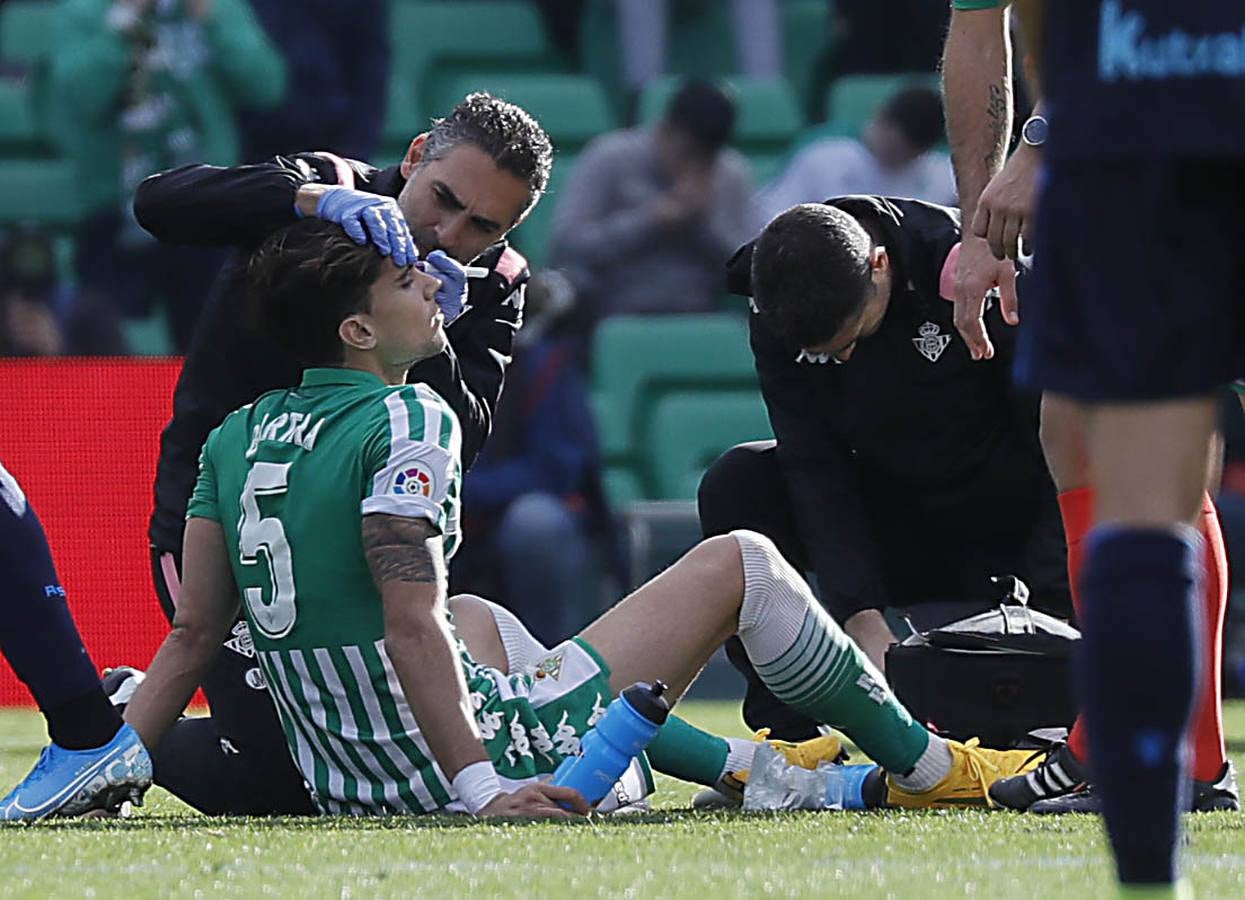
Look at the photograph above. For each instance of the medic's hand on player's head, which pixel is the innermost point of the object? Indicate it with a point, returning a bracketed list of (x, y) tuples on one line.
[(453, 292), (370, 217)]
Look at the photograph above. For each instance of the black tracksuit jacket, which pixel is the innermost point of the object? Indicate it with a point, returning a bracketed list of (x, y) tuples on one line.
[(913, 472)]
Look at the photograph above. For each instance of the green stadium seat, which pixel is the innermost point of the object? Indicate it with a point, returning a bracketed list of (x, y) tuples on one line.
[(404, 119), (40, 191), (435, 41), (26, 30), (635, 358), (702, 43), (572, 108), (19, 130), (807, 29), (622, 486), (598, 50), (769, 114), (689, 430), (701, 40), (852, 100), (149, 336), (532, 237), (427, 34)]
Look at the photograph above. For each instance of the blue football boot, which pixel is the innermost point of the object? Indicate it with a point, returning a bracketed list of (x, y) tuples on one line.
[(73, 782)]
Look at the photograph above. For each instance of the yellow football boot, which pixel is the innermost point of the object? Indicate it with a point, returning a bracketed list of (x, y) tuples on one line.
[(973, 770)]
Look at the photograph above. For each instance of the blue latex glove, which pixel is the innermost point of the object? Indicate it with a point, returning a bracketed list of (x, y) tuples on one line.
[(370, 217), (453, 293)]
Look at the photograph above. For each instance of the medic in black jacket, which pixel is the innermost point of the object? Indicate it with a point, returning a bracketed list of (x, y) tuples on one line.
[(461, 188), (904, 473)]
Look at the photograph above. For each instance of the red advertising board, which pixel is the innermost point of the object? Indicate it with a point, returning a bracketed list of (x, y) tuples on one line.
[(81, 436)]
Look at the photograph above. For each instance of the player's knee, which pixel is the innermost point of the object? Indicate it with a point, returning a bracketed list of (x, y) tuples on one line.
[(755, 543), (718, 565), (759, 558), (467, 604), (477, 627), (767, 578)]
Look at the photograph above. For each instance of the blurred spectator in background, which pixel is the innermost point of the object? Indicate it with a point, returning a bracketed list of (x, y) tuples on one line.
[(534, 515), (337, 61), (894, 158), (643, 27), (650, 215), (138, 86), (28, 325), (30, 297)]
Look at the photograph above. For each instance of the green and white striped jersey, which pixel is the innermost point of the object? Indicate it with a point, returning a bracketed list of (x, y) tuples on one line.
[(289, 478)]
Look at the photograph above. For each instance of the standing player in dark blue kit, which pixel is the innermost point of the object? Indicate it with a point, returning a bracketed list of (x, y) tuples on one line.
[(1136, 93), (94, 761)]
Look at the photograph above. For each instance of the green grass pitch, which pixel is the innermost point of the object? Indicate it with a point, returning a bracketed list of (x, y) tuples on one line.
[(164, 850)]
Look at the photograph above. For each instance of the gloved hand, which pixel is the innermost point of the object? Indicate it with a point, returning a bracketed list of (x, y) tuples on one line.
[(453, 292), (370, 217)]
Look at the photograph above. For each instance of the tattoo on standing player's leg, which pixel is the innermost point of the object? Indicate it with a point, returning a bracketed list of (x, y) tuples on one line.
[(402, 549), (996, 110)]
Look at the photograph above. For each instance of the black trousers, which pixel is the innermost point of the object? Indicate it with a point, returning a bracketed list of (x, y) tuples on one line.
[(235, 762), (745, 488)]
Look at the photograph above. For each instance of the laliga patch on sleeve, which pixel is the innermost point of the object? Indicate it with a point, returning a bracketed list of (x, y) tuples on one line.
[(413, 479)]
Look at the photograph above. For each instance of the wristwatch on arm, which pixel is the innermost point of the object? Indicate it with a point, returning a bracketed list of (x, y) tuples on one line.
[(1035, 130)]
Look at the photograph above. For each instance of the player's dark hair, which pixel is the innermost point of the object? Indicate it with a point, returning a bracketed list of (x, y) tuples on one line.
[(811, 273), (304, 280), (505, 131), (917, 112), (704, 111)]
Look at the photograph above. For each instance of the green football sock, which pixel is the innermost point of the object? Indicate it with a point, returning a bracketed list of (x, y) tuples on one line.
[(806, 659), (684, 751)]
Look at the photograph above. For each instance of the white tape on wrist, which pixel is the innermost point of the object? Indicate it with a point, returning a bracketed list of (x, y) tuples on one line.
[(476, 786)]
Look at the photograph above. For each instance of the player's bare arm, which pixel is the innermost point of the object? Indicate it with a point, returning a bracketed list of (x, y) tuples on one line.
[(1005, 209), (206, 609), (407, 562), (977, 92), (397, 550)]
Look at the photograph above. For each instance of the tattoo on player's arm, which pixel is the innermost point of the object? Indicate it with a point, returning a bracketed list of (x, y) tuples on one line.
[(402, 549), (996, 110)]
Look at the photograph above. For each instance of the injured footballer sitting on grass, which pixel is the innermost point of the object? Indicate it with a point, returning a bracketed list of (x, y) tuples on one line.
[(330, 509)]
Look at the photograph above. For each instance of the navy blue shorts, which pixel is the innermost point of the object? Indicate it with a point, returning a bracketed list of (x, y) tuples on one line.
[(1138, 287)]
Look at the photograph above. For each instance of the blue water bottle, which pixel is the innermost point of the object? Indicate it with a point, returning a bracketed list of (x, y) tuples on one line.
[(605, 752)]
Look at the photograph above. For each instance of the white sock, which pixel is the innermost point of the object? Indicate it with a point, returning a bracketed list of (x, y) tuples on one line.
[(522, 648), (931, 768), (739, 757)]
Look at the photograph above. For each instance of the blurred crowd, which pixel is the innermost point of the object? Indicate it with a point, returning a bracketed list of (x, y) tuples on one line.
[(641, 224), (135, 86)]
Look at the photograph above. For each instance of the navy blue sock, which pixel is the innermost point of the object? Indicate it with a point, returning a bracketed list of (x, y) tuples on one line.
[(38, 636), (1138, 678)]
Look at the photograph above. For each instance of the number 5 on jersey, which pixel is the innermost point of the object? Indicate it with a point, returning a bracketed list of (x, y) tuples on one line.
[(257, 534)]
